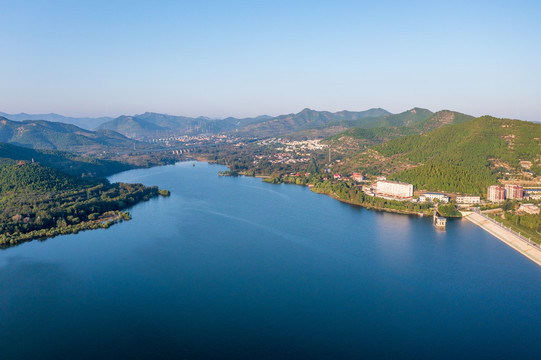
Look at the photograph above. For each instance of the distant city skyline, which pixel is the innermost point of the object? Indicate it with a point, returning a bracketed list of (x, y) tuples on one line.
[(246, 58)]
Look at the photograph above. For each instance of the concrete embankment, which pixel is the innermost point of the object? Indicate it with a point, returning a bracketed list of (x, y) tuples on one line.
[(507, 236)]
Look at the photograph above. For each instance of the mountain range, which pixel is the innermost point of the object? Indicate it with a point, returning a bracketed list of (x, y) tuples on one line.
[(41, 134), (87, 123), (161, 125), (414, 121), (150, 125), (308, 121)]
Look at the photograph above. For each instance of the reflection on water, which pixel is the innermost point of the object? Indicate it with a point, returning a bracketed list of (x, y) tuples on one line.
[(236, 268)]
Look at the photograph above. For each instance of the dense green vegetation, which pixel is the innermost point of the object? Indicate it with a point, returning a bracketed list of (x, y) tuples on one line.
[(448, 210), (28, 177), (528, 225), (448, 177), (40, 202), (462, 158), (68, 163)]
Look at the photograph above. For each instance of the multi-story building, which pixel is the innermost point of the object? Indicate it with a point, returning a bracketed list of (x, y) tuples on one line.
[(468, 200), (496, 193), (430, 196), (514, 191), (394, 189), (357, 177)]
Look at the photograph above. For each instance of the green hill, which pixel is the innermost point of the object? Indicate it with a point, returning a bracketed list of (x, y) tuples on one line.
[(466, 157), (40, 134), (76, 165), (32, 177), (441, 118), (406, 118)]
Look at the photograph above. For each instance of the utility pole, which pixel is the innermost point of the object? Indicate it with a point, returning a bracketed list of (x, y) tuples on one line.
[(329, 154)]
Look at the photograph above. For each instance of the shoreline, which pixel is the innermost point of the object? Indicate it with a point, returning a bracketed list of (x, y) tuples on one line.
[(506, 236), (368, 207)]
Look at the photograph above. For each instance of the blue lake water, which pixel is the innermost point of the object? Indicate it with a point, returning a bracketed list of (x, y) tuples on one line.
[(236, 268)]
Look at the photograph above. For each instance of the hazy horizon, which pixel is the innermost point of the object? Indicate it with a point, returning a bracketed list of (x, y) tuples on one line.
[(244, 59)]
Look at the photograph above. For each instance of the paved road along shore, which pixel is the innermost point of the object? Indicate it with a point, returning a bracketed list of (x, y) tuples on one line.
[(505, 235)]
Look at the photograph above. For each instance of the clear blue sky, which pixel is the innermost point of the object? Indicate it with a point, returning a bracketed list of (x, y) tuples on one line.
[(244, 58)]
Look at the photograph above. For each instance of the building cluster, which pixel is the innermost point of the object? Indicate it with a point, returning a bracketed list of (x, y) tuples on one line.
[(498, 193), (281, 158), (292, 146), (195, 140), (355, 177)]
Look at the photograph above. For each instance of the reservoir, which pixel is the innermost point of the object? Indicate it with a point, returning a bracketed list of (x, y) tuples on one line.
[(235, 268)]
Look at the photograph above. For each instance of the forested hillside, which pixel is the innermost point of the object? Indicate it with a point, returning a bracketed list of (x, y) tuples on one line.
[(37, 201), (467, 157), (76, 165), (28, 178)]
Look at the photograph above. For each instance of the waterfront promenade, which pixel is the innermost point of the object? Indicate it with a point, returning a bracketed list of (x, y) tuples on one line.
[(529, 249)]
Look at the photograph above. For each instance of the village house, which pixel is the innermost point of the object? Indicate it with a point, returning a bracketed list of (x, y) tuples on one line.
[(529, 208)]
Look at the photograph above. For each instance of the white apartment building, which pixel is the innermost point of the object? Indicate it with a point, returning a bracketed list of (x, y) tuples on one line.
[(430, 196), (468, 200), (394, 189)]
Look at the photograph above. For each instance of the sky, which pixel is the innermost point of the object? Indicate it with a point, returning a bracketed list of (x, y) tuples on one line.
[(248, 58)]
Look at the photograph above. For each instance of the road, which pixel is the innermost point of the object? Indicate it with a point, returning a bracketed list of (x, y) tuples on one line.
[(532, 252)]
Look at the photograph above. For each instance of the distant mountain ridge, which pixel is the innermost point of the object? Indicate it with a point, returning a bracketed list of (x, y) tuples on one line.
[(414, 121), (87, 123), (41, 134), (306, 119), (307, 123), (162, 125)]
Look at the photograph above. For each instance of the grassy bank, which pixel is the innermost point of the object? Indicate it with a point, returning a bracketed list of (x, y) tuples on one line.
[(527, 233)]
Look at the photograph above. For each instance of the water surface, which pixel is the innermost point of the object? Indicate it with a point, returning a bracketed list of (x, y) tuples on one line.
[(236, 268)]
